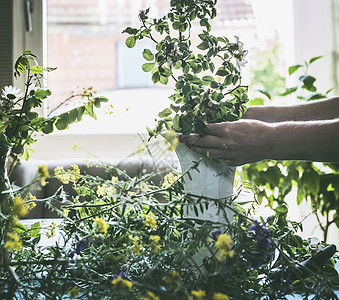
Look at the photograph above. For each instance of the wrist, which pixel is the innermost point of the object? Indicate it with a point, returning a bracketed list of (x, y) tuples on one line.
[(270, 141)]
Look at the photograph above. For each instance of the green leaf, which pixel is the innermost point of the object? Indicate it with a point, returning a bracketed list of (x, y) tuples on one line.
[(180, 84), (72, 116), (42, 94), (156, 77), (186, 89), (186, 69), (200, 126), (176, 123), (186, 123), (163, 79), (221, 72), (315, 96), (26, 155), (294, 68), (148, 67), (21, 65), (289, 91), (89, 109), (281, 209), (264, 92), (313, 59), (311, 182), (130, 30), (98, 100), (80, 111), (214, 84), (47, 127), (176, 25), (62, 123), (256, 101), (148, 55), (20, 228), (203, 46), (165, 113), (35, 229), (208, 78), (308, 82), (36, 69), (130, 41), (36, 121)]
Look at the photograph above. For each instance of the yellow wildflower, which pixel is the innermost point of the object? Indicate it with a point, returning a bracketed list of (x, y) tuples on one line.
[(19, 207), (119, 282), (75, 146), (114, 180), (169, 179), (219, 296), (13, 242), (75, 173), (30, 205), (109, 109), (67, 176), (43, 171), (66, 212), (51, 231), (198, 295), (224, 243), (155, 243), (105, 190), (171, 139), (173, 281), (150, 296), (150, 221), (137, 246), (140, 149), (74, 292), (101, 225), (31, 197)]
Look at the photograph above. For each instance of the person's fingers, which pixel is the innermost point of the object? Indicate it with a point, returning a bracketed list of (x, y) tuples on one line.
[(209, 152), (202, 141), (216, 129)]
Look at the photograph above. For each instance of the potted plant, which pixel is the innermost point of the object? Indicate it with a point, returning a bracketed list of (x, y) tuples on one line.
[(208, 86)]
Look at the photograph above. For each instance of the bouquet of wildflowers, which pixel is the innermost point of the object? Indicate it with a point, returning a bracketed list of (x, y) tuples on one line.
[(127, 238), (207, 77), (18, 117)]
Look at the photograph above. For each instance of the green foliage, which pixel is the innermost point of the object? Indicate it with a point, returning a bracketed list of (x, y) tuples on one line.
[(203, 94), (265, 79), (317, 183), (117, 226), (19, 121)]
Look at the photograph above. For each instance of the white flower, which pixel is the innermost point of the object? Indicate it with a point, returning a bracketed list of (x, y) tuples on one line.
[(241, 63), (239, 53), (10, 92), (238, 42)]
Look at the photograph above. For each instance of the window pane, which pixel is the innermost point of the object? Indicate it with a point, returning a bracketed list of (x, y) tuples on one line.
[(86, 45)]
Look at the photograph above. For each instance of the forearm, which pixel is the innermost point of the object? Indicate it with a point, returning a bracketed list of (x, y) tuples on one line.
[(316, 110), (312, 141)]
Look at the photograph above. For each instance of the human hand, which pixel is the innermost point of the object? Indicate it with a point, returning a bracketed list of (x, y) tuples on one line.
[(240, 142)]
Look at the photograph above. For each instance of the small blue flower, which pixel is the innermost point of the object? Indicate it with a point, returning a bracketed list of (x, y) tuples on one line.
[(263, 239), (83, 244), (121, 274), (215, 234)]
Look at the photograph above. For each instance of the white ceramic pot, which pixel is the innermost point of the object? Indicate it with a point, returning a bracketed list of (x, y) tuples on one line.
[(212, 179)]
